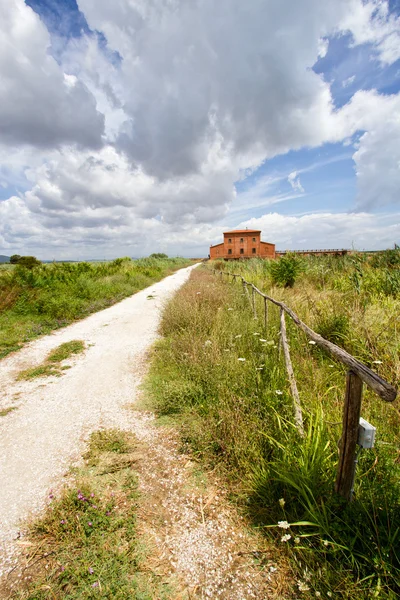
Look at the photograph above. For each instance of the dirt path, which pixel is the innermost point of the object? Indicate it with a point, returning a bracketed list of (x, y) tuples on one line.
[(197, 542), (54, 415)]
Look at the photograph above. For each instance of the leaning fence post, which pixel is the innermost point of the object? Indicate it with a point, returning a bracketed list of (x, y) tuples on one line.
[(253, 298), (265, 313), (348, 443), (298, 415)]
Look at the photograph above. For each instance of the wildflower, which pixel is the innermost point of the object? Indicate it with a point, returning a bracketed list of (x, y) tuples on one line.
[(283, 524), (297, 540), (261, 340), (329, 594), (92, 495), (62, 522), (242, 359), (230, 308), (62, 568), (198, 292), (282, 502), (318, 594), (331, 366), (91, 571), (259, 368), (256, 334), (326, 543), (238, 336), (90, 524), (303, 587), (312, 343), (272, 569), (376, 362), (95, 584), (278, 392), (286, 537), (226, 350), (207, 343)]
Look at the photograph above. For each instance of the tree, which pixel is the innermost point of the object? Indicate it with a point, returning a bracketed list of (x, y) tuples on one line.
[(158, 255), (14, 259), (29, 262)]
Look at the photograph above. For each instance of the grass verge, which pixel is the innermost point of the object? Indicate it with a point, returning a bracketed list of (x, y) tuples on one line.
[(52, 364), (85, 546), (219, 373), (36, 301)]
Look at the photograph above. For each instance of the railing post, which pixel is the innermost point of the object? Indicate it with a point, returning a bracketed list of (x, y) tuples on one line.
[(348, 443), (298, 414)]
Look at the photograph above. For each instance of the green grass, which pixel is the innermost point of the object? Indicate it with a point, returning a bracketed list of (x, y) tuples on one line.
[(36, 301), (86, 545), (219, 373), (52, 365)]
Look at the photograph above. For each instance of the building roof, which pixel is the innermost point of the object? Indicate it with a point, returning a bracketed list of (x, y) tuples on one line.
[(243, 231), (214, 245)]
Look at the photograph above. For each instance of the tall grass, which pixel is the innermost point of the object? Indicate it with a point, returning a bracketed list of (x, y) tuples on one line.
[(221, 374), (35, 301)]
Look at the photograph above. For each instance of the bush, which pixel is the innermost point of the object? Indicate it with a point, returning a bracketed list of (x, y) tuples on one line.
[(160, 255), (29, 262), (14, 259), (285, 270)]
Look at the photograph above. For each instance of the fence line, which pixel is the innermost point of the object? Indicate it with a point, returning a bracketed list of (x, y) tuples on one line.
[(357, 374)]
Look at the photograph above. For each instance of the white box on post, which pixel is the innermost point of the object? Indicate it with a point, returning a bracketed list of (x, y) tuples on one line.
[(366, 434)]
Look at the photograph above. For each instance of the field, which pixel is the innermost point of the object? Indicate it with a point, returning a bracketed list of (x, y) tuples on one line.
[(220, 375), (36, 301)]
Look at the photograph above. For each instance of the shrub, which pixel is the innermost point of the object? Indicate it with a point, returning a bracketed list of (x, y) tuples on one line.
[(160, 255), (14, 259), (29, 262), (285, 270)]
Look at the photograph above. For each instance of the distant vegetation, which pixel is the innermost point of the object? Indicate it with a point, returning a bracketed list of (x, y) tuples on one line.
[(222, 376), (36, 298)]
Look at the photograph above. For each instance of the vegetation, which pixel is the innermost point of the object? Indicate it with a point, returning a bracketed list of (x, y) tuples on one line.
[(222, 377), (36, 300), (85, 546), (52, 365)]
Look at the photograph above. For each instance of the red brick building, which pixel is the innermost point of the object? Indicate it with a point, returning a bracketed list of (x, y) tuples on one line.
[(242, 243)]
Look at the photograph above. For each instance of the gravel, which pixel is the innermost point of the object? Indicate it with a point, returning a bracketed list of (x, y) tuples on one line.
[(54, 417)]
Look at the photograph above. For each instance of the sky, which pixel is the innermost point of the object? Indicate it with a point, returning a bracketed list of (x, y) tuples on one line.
[(139, 126)]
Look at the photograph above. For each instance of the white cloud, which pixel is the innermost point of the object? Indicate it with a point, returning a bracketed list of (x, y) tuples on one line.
[(38, 105), (294, 180)]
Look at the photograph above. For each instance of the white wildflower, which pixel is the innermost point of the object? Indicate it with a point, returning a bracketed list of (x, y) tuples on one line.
[(230, 308), (303, 587), (331, 366), (278, 392), (256, 334), (226, 350), (242, 359), (326, 543), (238, 336), (272, 569), (286, 537), (312, 343), (208, 343), (329, 594), (283, 524), (198, 292), (297, 540), (261, 340), (259, 368), (282, 502), (377, 362), (318, 594)]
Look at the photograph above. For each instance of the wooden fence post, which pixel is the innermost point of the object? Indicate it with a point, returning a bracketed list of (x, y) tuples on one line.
[(265, 313), (298, 415), (348, 443), (253, 297)]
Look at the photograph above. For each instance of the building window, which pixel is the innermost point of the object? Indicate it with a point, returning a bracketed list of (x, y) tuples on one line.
[(229, 250), (217, 251), (253, 250), (229, 240), (241, 251), (241, 240), (254, 239)]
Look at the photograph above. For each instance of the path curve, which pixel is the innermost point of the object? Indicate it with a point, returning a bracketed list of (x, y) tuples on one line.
[(54, 416)]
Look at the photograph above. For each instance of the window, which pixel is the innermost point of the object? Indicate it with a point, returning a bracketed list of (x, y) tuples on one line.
[(241, 240), (254, 239), (253, 250), (241, 251), (229, 250), (229, 240)]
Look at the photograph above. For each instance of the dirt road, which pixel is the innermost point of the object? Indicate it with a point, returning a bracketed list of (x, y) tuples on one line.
[(54, 416)]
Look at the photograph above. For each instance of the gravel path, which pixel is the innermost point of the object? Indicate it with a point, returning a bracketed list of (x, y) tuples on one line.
[(54, 416)]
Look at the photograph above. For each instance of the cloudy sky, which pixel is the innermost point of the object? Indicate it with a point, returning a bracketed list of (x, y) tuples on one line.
[(135, 126)]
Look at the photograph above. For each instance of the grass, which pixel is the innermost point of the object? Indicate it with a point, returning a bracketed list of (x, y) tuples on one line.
[(36, 301), (219, 373), (7, 410), (52, 365), (86, 545)]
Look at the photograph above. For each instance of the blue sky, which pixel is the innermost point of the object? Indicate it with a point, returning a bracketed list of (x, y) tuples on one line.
[(183, 123)]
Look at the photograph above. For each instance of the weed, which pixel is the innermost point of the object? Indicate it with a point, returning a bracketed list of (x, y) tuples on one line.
[(285, 270), (219, 372), (6, 411), (86, 544), (66, 350), (52, 366)]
